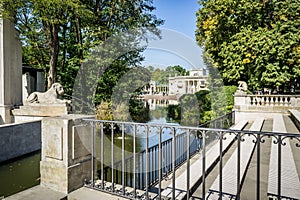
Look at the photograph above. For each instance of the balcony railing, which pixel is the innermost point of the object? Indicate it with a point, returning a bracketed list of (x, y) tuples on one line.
[(122, 168)]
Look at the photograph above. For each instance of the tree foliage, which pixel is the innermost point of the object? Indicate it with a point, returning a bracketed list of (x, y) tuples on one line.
[(209, 105), (256, 41), (161, 76), (57, 35)]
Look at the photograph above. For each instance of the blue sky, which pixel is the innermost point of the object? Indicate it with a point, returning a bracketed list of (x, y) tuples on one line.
[(179, 15), (178, 45)]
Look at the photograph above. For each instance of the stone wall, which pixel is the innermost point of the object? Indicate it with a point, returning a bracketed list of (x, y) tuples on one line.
[(10, 70), (19, 139)]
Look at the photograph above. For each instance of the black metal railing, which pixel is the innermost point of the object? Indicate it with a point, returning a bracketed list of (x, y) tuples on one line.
[(139, 174), (153, 152)]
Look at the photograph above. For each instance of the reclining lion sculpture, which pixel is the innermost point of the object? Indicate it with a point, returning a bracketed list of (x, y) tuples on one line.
[(242, 86), (52, 95)]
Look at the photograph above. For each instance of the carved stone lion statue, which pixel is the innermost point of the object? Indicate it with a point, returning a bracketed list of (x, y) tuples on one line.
[(242, 86), (49, 97)]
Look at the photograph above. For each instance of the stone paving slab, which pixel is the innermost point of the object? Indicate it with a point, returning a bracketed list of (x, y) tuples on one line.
[(230, 169), (38, 193), (91, 194), (42, 193), (290, 183)]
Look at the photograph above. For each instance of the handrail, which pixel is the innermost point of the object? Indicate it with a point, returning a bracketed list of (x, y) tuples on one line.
[(148, 167)]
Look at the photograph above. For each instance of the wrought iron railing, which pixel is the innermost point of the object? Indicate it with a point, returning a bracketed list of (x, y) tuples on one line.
[(140, 173), (153, 152)]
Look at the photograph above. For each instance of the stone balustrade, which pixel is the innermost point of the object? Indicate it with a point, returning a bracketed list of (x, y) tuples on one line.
[(279, 102), (272, 100), (248, 106)]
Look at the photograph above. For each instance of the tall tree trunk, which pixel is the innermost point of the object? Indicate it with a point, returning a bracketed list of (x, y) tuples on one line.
[(54, 51)]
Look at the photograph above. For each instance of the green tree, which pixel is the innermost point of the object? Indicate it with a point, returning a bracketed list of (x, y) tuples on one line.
[(161, 76), (58, 34), (176, 70), (41, 22), (256, 41)]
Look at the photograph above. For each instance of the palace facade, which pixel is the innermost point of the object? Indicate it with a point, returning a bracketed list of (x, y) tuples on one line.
[(197, 80)]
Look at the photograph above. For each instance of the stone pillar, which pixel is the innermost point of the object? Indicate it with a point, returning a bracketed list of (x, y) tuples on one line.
[(66, 153), (240, 106), (10, 70)]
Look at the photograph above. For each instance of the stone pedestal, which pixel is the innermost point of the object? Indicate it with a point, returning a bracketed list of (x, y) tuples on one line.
[(240, 101), (66, 157), (38, 111), (10, 69)]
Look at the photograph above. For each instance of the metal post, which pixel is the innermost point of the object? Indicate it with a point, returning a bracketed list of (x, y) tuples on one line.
[(178, 156), (173, 162), (203, 163), (156, 162), (221, 164), (93, 154), (159, 163), (279, 167), (258, 169), (169, 155), (188, 164), (112, 158), (123, 159), (102, 156), (152, 165), (147, 161), (134, 161), (238, 165)]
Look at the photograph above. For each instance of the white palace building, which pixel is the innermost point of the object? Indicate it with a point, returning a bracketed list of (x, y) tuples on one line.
[(194, 82)]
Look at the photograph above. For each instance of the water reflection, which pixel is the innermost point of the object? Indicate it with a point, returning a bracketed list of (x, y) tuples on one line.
[(20, 174), (158, 103)]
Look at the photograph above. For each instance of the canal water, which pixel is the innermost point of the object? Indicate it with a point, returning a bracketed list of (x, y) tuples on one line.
[(22, 173)]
